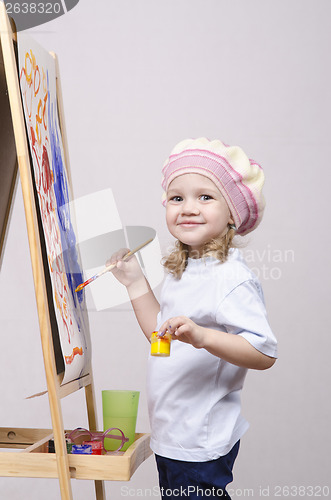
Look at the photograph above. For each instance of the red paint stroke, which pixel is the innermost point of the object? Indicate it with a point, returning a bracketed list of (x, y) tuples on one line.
[(46, 171), (33, 137), (76, 351)]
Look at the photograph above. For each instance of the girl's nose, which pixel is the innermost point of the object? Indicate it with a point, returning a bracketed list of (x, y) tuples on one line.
[(189, 207)]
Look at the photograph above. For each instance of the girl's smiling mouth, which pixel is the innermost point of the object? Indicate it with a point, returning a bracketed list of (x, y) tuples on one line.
[(189, 223)]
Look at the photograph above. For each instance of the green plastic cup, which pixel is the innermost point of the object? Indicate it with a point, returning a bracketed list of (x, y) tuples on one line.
[(120, 410)]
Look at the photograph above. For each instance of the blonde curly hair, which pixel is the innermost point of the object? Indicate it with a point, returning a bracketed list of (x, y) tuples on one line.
[(175, 263)]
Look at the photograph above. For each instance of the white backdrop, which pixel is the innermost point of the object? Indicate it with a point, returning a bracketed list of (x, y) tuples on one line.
[(137, 77)]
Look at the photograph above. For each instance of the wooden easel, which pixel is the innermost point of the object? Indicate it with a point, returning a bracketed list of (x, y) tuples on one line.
[(34, 461)]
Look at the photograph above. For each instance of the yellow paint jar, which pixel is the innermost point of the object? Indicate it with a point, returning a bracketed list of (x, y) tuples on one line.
[(160, 346)]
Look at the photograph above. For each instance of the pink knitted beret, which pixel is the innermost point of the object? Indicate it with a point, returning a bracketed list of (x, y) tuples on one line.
[(239, 179)]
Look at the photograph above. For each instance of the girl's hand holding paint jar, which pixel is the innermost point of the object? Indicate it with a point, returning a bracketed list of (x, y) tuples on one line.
[(178, 328), (184, 329)]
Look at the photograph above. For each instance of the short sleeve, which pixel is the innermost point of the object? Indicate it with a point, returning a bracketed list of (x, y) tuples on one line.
[(242, 312)]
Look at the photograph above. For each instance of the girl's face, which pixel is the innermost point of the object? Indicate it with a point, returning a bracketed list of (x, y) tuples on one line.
[(196, 211)]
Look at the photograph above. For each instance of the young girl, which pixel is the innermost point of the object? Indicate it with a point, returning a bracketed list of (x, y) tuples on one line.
[(212, 305)]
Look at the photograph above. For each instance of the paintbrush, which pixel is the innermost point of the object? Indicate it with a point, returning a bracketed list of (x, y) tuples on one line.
[(111, 266)]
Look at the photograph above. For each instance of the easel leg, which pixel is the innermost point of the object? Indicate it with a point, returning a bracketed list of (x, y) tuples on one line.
[(100, 490), (92, 419)]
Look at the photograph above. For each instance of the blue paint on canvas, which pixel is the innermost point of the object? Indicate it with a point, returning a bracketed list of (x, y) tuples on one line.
[(68, 239)]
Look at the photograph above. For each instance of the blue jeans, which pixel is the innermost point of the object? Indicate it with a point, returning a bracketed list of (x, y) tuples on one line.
[(196, 480)]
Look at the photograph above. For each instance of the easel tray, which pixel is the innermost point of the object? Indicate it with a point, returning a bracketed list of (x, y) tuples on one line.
[(34, 461)]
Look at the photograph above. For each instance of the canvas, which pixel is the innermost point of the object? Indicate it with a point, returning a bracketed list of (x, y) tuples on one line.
[(37, 73)]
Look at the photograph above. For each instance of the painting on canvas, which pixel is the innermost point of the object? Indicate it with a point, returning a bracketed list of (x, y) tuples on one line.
[(37, 76)]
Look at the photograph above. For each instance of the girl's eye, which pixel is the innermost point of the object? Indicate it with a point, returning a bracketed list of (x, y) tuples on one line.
[(176, 198), (205, 197)]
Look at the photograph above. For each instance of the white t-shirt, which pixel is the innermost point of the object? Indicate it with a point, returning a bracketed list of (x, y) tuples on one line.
[(194, 396)]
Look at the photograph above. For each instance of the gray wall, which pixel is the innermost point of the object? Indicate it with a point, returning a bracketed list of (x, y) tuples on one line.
[(137, 77)]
